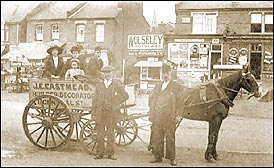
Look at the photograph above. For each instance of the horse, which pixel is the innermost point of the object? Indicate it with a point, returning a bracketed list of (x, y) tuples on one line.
[(219, 98)]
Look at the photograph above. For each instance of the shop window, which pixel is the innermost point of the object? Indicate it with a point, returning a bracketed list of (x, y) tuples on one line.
[(204, 22), (39, 32), (144, 72), (262, 22), (80, 33), (55, 32)]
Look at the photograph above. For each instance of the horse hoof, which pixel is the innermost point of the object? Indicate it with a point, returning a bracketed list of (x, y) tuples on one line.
[(210, 159)]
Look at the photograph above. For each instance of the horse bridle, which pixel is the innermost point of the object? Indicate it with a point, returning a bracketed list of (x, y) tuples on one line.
[(235, 91)]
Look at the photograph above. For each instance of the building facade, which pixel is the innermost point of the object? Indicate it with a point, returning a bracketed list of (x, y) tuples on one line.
[(212, 36)]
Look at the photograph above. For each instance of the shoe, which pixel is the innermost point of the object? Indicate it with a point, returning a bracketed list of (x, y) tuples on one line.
[(173, 162), (98, 156), (112, 157), (155, 160)]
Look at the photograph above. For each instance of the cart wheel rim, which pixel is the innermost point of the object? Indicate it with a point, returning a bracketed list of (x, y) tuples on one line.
[(47, 122)]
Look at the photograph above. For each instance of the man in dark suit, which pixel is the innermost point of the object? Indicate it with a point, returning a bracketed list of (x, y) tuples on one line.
[(109, 95), (53, 64), (94, 64), (163, 115)]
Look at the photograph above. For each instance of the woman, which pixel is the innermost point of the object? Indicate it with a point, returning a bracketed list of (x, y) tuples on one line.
[(54, 64)]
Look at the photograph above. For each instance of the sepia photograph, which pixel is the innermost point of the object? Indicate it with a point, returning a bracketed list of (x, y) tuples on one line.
[(136, 83)]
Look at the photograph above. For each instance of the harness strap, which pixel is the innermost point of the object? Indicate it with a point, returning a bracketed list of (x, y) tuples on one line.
[(223, 96)]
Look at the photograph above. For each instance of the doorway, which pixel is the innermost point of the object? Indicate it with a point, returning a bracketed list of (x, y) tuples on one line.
[(255, 64)]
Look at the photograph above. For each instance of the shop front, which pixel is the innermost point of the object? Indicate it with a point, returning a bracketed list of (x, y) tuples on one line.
[(148, 49), (256, 52), (195, 58)]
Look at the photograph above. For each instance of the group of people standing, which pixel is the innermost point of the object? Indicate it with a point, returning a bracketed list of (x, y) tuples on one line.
[(55, 67), (110, 94)]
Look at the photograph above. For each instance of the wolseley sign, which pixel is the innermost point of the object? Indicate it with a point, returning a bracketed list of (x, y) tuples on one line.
[(148, 41), (148, 44)]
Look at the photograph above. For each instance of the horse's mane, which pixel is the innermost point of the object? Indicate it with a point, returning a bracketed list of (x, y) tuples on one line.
[(231, 80)]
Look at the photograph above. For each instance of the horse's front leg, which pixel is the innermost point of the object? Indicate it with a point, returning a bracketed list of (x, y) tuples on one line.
[(214, 127)]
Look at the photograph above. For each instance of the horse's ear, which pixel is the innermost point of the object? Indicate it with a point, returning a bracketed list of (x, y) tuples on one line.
[(245, 68)]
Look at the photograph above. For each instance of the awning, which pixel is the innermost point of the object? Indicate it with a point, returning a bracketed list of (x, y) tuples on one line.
[(149, 64), (32, 51)]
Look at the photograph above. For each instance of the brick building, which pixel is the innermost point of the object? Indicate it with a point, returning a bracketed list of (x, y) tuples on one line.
[(224, 34)]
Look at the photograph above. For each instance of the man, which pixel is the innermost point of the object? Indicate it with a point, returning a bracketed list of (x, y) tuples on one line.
[(162, 114), (94, 64), (54, 63), (109, 95)]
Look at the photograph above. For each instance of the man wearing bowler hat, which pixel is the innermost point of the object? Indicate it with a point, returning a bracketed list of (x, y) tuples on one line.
[(108, 97), (53, 64), (163, 115)]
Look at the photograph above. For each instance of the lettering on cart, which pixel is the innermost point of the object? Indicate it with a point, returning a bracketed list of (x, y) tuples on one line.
[(66, 95), (62, 86)]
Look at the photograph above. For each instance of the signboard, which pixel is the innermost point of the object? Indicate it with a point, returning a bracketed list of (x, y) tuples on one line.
[(149, 45), (145, 42), (75, 94), (189, 40), (185, 19), (215, 41)]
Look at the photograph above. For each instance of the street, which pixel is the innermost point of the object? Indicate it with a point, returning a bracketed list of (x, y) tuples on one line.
[(245, 139)]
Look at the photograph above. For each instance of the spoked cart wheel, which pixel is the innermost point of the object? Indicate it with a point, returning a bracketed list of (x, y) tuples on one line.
[(80, 117), (88, 137), (47, 122), (126, 132)]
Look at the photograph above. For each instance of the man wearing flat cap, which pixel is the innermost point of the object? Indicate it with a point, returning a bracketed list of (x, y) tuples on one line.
[(108, 97), (54, 63), (162, 114)]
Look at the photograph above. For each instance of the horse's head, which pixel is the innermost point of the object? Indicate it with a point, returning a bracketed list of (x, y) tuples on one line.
[(249, 83)]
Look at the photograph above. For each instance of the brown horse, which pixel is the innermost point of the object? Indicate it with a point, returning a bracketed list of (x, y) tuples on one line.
[(215, 104)]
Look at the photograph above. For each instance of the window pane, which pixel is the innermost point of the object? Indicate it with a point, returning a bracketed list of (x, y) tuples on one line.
[(210, 24), (269, 28), (256, 18), (197, 23), (80, 33), (269, 19), (256, 28), (100, 32), (39, 32), (55, 32)]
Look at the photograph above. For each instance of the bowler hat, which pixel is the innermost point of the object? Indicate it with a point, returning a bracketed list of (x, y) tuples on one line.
[(107, 69), (165, 68), (75, 48), (55, 47)]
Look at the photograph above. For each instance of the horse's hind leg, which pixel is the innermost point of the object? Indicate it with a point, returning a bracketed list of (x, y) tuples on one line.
[(214, 127)]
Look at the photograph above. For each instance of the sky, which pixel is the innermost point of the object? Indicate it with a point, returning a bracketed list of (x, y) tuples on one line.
[(165, 10)]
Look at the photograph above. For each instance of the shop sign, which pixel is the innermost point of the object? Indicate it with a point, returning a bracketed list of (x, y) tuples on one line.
[(145, 52), (185, 19), (215, 41), (189, 40), (145, 42)]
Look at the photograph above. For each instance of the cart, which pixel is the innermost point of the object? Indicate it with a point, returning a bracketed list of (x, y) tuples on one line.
[(59, 112)]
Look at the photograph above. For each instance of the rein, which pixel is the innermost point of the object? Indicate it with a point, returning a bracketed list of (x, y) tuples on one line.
[(232, 90)]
